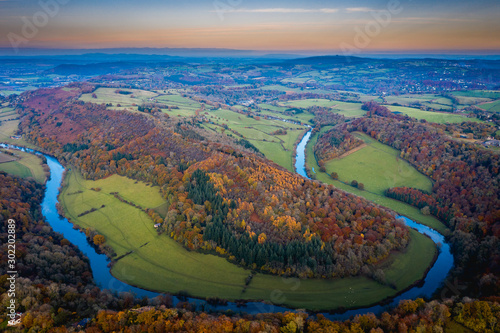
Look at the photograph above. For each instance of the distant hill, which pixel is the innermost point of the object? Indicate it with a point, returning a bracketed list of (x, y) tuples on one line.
[(102, 68), (174, 52)]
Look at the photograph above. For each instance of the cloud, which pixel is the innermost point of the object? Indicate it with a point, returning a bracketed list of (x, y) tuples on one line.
[(425, 20), (282, 10), (359, 9)]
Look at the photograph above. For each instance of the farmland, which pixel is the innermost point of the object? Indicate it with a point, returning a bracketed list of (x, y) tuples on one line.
[(126, 98), (157, 262), (434, 117), (23, 165), (259, 131), (398, 206), (491, 106), (378, 167)]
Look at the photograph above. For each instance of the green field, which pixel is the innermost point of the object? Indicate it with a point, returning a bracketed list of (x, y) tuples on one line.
[(488, 100), (26, 166), (278, 148), (492, 94), (109, 95), (305, 103), (397, 206), (9, 127), (157, 262), (187, 107), (344, 108), (492, 106), (434, 117), (278, 111), (408, 99), (279, 88), (349, 109), (378, 167)]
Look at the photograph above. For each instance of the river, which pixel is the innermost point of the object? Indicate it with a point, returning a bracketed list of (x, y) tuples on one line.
[(103, 278)]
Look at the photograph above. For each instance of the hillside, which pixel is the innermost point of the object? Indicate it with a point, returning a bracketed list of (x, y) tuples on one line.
[(258, 214)]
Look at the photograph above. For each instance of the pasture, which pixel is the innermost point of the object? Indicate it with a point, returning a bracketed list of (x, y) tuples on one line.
[(110, 95), (397, 206), (23, 165), (491, 106), (159, 263), (433, 117), (277, 148), (345, 108), (492, 94), (378, 167), (9, 126)]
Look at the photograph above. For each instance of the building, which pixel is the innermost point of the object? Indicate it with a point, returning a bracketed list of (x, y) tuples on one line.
[(491, 143)]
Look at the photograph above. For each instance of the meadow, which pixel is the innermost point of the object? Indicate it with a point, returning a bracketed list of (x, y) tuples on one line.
[(491, 94), (25, 166), (277, 148), (159, 263), (434, 117), (378, 167), (9, 126), (491, 106), (435, 102), (109, 95), (345, 108), (397, 206)]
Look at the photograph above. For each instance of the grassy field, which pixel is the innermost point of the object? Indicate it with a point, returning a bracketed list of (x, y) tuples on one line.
[(397, 206), (434, 117), (378, 167), (159, 263), (349, 109), (278, 148), (492, 106), (429, 100), (492, 94), (109, 95), (305, 103), (187, 107), (25, 166), (344, 108), (278, 111), (466, 100), (8, 127), (488, 100)]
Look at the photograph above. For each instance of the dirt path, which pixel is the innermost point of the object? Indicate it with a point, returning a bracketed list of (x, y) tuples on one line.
[(4, 158), (352, 151)]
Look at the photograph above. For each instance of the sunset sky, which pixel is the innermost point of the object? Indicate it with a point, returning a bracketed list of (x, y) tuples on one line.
[(291, 25)]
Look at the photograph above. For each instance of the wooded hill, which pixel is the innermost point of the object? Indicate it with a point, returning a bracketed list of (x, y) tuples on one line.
[(221, 199)]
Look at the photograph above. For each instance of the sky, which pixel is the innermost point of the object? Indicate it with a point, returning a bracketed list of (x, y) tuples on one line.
[(316, 25)]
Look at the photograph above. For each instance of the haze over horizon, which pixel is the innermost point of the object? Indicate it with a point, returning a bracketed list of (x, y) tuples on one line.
[(354, 27)]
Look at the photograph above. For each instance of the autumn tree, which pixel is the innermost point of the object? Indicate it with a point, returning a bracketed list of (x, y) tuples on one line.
[(99, 239)]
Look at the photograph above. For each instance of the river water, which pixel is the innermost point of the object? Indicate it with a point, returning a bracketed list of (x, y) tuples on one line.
[(103, 278)]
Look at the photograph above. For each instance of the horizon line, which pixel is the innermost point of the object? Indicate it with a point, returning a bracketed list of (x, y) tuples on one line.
[(492, 52)]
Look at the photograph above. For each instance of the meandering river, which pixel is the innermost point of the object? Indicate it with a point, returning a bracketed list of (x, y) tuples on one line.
[(102, 276)]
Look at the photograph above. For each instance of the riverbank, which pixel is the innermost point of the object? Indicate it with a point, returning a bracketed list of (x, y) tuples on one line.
[(345, 290)]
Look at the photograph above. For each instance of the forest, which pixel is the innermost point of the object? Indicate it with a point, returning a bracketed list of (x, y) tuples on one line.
[(253, 212), (57, 293), (334, 143), (226, 199), (464, 194)]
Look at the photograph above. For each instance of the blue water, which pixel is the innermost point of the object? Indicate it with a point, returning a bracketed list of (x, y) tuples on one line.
[(102, 276), (433, 279), (300, 160)]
